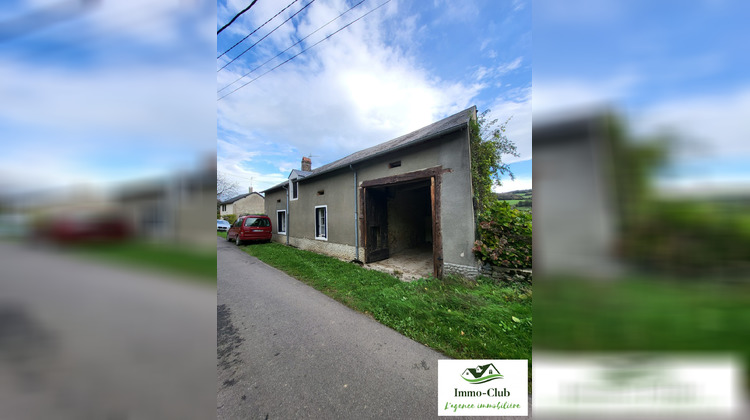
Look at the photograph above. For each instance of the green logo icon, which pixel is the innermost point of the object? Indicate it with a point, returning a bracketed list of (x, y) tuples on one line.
[(481, 374)]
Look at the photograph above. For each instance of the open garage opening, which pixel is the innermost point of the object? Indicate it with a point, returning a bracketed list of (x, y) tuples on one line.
[(400, 224)]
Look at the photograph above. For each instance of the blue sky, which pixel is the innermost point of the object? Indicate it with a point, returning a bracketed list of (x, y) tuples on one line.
[(105, 94), (669, 66), (398, 69)]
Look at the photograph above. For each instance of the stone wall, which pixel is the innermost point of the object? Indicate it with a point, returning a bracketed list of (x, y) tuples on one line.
[(461, 270), (516, 275)]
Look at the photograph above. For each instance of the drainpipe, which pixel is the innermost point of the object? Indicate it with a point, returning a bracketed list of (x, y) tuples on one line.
[(356, 217), (286, 215)]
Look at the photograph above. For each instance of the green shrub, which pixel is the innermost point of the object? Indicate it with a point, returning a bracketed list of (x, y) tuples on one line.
[(231, 218), (524, 203), (504, 236)]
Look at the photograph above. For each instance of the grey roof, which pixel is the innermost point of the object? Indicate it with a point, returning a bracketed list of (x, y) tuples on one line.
[(426, 133), (299, 173), (239, 197)]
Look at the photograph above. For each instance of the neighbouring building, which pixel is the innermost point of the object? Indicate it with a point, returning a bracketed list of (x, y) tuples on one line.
[(410, 195), (176, 209), (575, 208), (248, 203)]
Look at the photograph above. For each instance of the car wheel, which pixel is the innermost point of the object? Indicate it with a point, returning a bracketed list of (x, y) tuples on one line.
[(237, 240), (228, 238)]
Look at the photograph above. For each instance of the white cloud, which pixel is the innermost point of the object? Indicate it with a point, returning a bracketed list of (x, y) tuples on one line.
[(351, 92), (508, 67), (101, 101), (513, 185), (554, 96), (134, 102), (518, 129), (708, 126), (495, 72)]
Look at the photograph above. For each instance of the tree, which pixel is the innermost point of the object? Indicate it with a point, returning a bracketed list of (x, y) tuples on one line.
[(488, 145), (225, 187)]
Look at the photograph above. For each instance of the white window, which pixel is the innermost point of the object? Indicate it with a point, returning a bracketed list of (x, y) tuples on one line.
[(294, 189), (281, 222), (321, 222)]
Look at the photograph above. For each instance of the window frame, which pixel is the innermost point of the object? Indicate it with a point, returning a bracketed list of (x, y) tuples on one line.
[(292, 184), (278, 224), (325, 215)]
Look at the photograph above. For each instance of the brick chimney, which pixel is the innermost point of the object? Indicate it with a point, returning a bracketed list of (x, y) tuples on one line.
[(306, 164), (250, 190)]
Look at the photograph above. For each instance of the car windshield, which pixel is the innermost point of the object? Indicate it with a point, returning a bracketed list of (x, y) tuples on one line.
[(222, 222)]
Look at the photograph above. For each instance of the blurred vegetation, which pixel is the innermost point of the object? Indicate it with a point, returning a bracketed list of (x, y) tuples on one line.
[(689, 237), (643, 314)]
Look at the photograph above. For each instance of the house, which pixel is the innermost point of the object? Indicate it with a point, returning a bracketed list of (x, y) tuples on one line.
[(408, 196), (248, 203), (481, 372)]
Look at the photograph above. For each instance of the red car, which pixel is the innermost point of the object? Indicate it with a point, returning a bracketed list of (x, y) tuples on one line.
[(80, 228), (250, 228)]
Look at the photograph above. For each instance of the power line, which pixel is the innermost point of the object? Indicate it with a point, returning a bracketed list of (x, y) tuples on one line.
[(256, 29), (266, 36), (303, 51), (236, 16), (292, 46)]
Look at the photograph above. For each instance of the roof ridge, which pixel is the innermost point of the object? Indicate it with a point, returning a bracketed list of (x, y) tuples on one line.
[(331, 165), (414, 137)]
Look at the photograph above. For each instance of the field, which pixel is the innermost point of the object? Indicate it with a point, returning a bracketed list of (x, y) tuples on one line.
[(515, 197)]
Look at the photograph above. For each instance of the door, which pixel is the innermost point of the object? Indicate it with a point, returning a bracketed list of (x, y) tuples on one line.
[(376, 216)]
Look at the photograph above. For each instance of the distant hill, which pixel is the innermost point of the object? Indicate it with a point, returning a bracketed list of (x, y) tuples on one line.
[(519, 198), (514, 195)]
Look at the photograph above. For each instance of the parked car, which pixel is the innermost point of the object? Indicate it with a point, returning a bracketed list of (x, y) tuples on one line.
[(82, 227), (250, 228), (222, 225)]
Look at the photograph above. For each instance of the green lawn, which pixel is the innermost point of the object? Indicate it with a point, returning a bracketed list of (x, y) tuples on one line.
[(222, 234), (643, 315), (460, 318), (197, 265)]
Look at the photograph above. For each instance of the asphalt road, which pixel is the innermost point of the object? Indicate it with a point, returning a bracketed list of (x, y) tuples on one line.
[(80, 340), (288, 351)]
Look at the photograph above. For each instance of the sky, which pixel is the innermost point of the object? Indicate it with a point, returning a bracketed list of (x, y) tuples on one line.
[(667, 67), (401, 67), (96, 94)]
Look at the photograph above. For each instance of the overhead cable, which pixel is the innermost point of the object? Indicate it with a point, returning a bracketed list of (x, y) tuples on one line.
[(292, 46), (236, 16), (306, 49), (256, 29), (266, 35)]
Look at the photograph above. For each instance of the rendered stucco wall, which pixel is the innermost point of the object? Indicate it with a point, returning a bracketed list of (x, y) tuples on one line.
[(252, 204), (457, 212)]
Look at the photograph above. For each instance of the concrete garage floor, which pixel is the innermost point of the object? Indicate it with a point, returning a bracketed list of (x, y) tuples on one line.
[(407, 265)]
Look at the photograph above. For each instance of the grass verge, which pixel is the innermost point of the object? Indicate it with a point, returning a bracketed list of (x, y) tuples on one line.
[(196, 265), (459, 318)]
